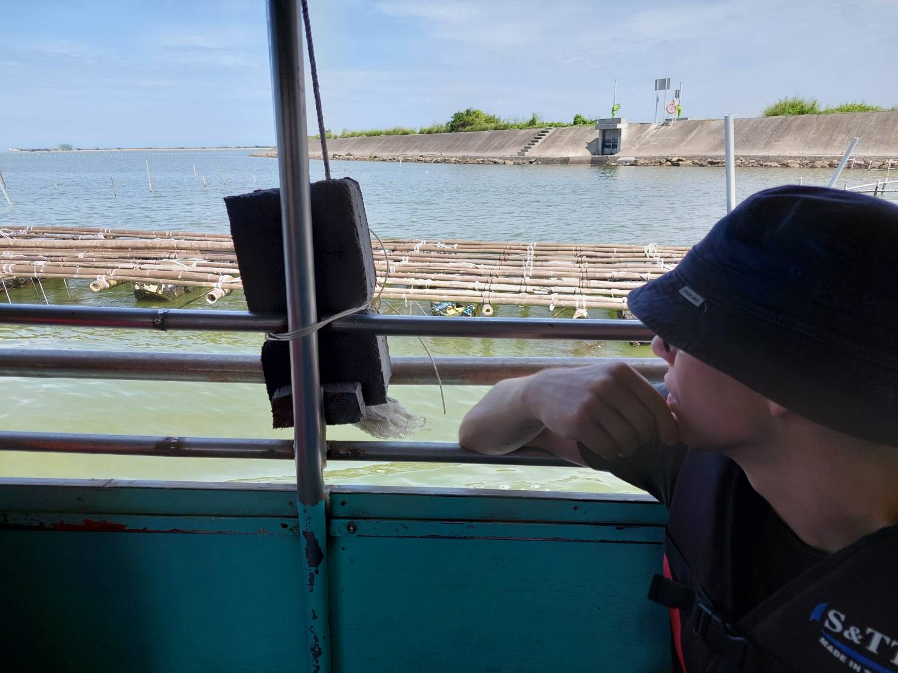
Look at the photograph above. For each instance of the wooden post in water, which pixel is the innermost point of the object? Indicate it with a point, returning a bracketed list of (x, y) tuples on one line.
[(3, 187), (149, 178), (195, 169), (204, 181), (113, 186)]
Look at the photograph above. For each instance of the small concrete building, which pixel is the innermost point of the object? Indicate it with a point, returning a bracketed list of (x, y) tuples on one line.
[(611, 134)]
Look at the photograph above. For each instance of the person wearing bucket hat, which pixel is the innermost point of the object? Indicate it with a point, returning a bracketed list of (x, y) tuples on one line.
[(772, 444)]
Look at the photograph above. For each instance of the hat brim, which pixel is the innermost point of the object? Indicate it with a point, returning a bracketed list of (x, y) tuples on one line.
[(770, 357)]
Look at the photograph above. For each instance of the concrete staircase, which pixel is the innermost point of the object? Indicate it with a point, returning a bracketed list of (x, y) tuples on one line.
[(539, 136)]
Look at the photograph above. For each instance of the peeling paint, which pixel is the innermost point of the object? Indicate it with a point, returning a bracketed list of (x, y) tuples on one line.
[(88, 525), (315, 650), (314, 554)]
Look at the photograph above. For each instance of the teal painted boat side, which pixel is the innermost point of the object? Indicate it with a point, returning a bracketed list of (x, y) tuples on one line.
[(203, 578)]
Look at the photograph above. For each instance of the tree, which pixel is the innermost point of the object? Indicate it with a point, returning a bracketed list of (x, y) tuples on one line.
[(64, 146), (472, 119)]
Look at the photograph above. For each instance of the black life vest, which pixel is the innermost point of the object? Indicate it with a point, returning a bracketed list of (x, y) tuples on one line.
[(838, 616)]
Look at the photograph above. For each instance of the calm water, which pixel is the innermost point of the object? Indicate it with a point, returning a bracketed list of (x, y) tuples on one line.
[(637, 205)]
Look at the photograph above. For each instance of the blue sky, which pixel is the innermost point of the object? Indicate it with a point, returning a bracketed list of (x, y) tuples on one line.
[(195, 72)]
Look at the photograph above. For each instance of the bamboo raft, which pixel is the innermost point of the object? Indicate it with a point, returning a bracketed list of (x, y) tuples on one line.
[(474, 273)]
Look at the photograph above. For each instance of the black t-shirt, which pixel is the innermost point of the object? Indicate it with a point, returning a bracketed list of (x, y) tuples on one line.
[(777, 555)]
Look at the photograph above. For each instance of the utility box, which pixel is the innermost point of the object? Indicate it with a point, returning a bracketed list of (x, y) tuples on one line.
[(611, 134)]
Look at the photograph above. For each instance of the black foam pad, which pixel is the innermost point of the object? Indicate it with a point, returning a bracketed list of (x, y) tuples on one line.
[(344, 278)]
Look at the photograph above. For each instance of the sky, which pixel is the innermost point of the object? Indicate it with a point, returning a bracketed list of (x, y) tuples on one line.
[(133, 73)]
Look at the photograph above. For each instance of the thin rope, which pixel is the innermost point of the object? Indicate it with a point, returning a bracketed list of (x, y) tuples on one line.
[(309, 330), (315, 91), (377, 300), (436, 373), (46, 302)]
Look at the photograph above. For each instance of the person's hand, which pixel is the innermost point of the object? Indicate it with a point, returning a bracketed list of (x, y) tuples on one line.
[(610, 408)]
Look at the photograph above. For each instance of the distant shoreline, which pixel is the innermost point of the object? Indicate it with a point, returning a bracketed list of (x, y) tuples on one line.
[(203, 149)]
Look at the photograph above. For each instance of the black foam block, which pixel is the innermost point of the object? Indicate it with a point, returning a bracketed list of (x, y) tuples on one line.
[(344, 278)]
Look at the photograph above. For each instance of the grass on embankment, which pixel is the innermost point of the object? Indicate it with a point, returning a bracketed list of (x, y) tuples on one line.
[(797, 105), (470, 119)]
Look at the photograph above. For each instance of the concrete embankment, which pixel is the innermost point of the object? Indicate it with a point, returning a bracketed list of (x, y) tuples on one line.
[(807, 140)]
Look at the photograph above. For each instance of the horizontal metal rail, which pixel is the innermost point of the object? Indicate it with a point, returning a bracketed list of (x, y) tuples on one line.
[(154, 446), (397, 451), (243, 448), (247, 368), (127, 317), (380, 324)]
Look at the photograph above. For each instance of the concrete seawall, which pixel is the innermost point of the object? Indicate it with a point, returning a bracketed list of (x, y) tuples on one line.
[(807, 140), (469, 144)]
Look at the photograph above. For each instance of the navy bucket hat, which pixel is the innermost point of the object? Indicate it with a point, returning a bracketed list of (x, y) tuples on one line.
[(793, 294)]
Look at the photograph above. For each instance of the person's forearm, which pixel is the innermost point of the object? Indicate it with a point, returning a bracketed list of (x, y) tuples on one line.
[(501, 421)]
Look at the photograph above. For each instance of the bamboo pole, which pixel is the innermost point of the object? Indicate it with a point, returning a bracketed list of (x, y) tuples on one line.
[(564, 275)]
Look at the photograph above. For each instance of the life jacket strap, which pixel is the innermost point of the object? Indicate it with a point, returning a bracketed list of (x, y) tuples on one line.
[(671, 593)]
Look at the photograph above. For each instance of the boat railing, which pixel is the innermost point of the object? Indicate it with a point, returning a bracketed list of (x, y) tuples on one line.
[(247, 368)]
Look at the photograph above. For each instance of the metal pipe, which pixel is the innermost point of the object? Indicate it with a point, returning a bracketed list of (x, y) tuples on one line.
[(246, 448), (849, 150), (730, 180), (168, 446), (247, 368), (396, 451), (379, 324), (152, 319), (533, 329), (288, 89)]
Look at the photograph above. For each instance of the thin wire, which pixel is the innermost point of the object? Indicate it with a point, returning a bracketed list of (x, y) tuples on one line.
[(315, 91), (437, 374), (309, 330), (46, 302), (386, 269)]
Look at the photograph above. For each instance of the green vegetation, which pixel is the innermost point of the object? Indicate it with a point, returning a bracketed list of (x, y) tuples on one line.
[(395, 131), (470, 119), (856, 107), (797, 105), (64, 146), (794, 105)]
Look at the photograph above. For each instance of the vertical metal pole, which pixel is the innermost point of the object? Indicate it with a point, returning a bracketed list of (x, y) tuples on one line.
[(836, 175), (285, 44), (5, 194), (729, 173), (655, 115)]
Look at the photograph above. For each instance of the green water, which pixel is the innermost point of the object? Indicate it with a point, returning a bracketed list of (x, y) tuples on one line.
[(553, 203)]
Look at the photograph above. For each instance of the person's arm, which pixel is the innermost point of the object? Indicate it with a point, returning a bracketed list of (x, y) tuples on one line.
[(610, 408)]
